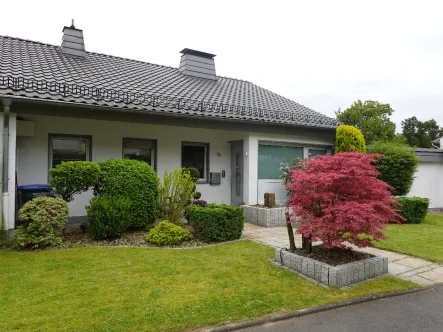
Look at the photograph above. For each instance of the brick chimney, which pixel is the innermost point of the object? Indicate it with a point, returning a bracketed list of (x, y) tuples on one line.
[(73, 42)]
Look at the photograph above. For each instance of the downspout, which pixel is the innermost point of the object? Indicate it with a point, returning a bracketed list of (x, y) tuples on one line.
[(5, 169)]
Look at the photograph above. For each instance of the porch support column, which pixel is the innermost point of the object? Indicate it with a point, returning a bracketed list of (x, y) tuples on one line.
[(250, 166), (8, 157)]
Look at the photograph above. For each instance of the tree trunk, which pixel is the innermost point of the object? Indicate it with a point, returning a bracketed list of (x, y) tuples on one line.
[(306, 244), (290, 233)]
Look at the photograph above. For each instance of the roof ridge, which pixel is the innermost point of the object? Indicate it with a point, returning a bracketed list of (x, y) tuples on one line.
[(113, 56)]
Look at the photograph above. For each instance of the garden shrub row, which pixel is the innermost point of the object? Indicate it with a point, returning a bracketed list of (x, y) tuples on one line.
[(413, 209), (216, 222)]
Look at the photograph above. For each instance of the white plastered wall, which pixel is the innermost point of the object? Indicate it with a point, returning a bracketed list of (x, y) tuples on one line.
[(107, 143), (427, 183)]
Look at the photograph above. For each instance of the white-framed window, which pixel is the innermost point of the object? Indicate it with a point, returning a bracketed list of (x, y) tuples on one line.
[(68, 148), (271, 156), (196, 154), (141, 149)]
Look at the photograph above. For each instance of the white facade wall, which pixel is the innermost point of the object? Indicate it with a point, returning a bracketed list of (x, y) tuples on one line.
[(33, 154), (428, 183)]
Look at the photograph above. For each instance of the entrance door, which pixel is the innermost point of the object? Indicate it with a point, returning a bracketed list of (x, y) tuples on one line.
[(237, 172)]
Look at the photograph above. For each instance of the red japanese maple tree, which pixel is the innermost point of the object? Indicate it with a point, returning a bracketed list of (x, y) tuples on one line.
[(339, 199)]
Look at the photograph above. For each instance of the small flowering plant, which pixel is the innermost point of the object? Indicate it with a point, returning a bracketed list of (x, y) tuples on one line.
[(200, 202)]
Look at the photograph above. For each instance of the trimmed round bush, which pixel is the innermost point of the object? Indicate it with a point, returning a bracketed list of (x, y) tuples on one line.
[(135, 180), (397, 165), (413, 209), (43, 221), (193, 172), (168, 234), (108, 217), (73, 177), (196, 195), (349, 138), (216, 222)]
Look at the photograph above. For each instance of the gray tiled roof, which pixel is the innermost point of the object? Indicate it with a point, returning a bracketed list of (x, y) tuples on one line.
[(35, 70)]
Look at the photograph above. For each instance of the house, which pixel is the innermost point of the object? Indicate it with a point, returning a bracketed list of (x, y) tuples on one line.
[(63, 103)]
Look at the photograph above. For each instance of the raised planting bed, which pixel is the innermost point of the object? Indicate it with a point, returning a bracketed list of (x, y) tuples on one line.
[(264, 216), (334, 269)]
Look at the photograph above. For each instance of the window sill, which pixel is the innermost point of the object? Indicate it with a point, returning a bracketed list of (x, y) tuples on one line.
[(202, 181)]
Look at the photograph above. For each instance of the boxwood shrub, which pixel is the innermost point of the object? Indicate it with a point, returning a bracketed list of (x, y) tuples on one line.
[(167, 233), (108, 217), (216, 222), (413, 209), (131, 179), (43, 221)]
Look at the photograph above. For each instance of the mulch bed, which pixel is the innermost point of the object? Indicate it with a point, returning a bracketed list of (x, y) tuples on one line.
[(130, 239), (334, 256)]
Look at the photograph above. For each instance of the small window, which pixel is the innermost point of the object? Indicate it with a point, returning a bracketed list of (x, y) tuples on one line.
[(317, 152), (141, 149), (68, 148), (196, 155)]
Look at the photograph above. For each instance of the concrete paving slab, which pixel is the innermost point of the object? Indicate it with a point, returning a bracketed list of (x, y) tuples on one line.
[(413, 262), (394, 268), (434, 276), (438, 270), (420, 280)]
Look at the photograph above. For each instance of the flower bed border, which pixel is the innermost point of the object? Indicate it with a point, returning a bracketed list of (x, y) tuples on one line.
[(334, 276)]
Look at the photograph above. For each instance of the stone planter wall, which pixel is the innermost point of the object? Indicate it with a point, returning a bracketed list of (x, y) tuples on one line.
[(265, 217), (335, 276)]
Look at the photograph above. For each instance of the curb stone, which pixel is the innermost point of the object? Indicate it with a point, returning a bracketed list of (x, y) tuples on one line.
[(309, 311)]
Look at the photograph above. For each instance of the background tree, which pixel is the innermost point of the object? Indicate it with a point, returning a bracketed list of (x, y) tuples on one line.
[(371, 118), (421, 134), (339, 199), (397, 164)]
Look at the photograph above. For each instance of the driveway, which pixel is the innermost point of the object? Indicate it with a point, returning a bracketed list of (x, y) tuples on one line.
[(418, 312)]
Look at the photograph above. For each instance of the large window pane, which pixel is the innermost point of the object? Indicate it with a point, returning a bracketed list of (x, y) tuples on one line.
[(270, 157), (69, 148), (140, 149), (196, 155)]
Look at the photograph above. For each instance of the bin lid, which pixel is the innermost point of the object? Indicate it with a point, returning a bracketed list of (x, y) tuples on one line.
[(34, 187)]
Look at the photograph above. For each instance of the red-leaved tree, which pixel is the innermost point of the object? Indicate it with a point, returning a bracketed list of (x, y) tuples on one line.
[(339, 199)]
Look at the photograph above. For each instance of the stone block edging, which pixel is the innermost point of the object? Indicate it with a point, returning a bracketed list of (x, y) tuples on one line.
[(334, 276), (265, 217)]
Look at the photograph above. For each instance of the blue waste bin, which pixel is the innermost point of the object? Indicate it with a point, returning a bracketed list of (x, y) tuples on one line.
[(30, 191)]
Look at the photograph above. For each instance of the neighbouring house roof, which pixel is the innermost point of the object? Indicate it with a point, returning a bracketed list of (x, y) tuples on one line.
[(34, 70)]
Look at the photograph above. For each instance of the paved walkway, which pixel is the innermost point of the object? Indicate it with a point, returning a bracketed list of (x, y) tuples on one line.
[(414, 269), (415, 312)]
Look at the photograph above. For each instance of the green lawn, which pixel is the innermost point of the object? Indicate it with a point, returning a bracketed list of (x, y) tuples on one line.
[(141, 289), (422, 240)]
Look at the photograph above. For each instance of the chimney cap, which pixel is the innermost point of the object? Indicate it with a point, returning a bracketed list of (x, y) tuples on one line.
[(71, 27), (197, 53)]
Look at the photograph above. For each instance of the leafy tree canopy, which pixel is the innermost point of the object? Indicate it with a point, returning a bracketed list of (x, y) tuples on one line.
[(372, 118), (421, 134)]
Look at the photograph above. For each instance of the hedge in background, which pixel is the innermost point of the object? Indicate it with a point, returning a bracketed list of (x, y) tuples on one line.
[(397, 165), (216, 222), (131, 179), (349, 138), (413, 209), (43, 221), (108, 217), (167, 233), (73, 177)]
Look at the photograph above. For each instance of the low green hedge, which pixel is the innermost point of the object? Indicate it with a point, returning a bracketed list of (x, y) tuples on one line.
[(413, 209), (216, 222)]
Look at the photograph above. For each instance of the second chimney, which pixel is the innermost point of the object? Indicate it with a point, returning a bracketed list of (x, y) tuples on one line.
[(197, 64), (73, 42)]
